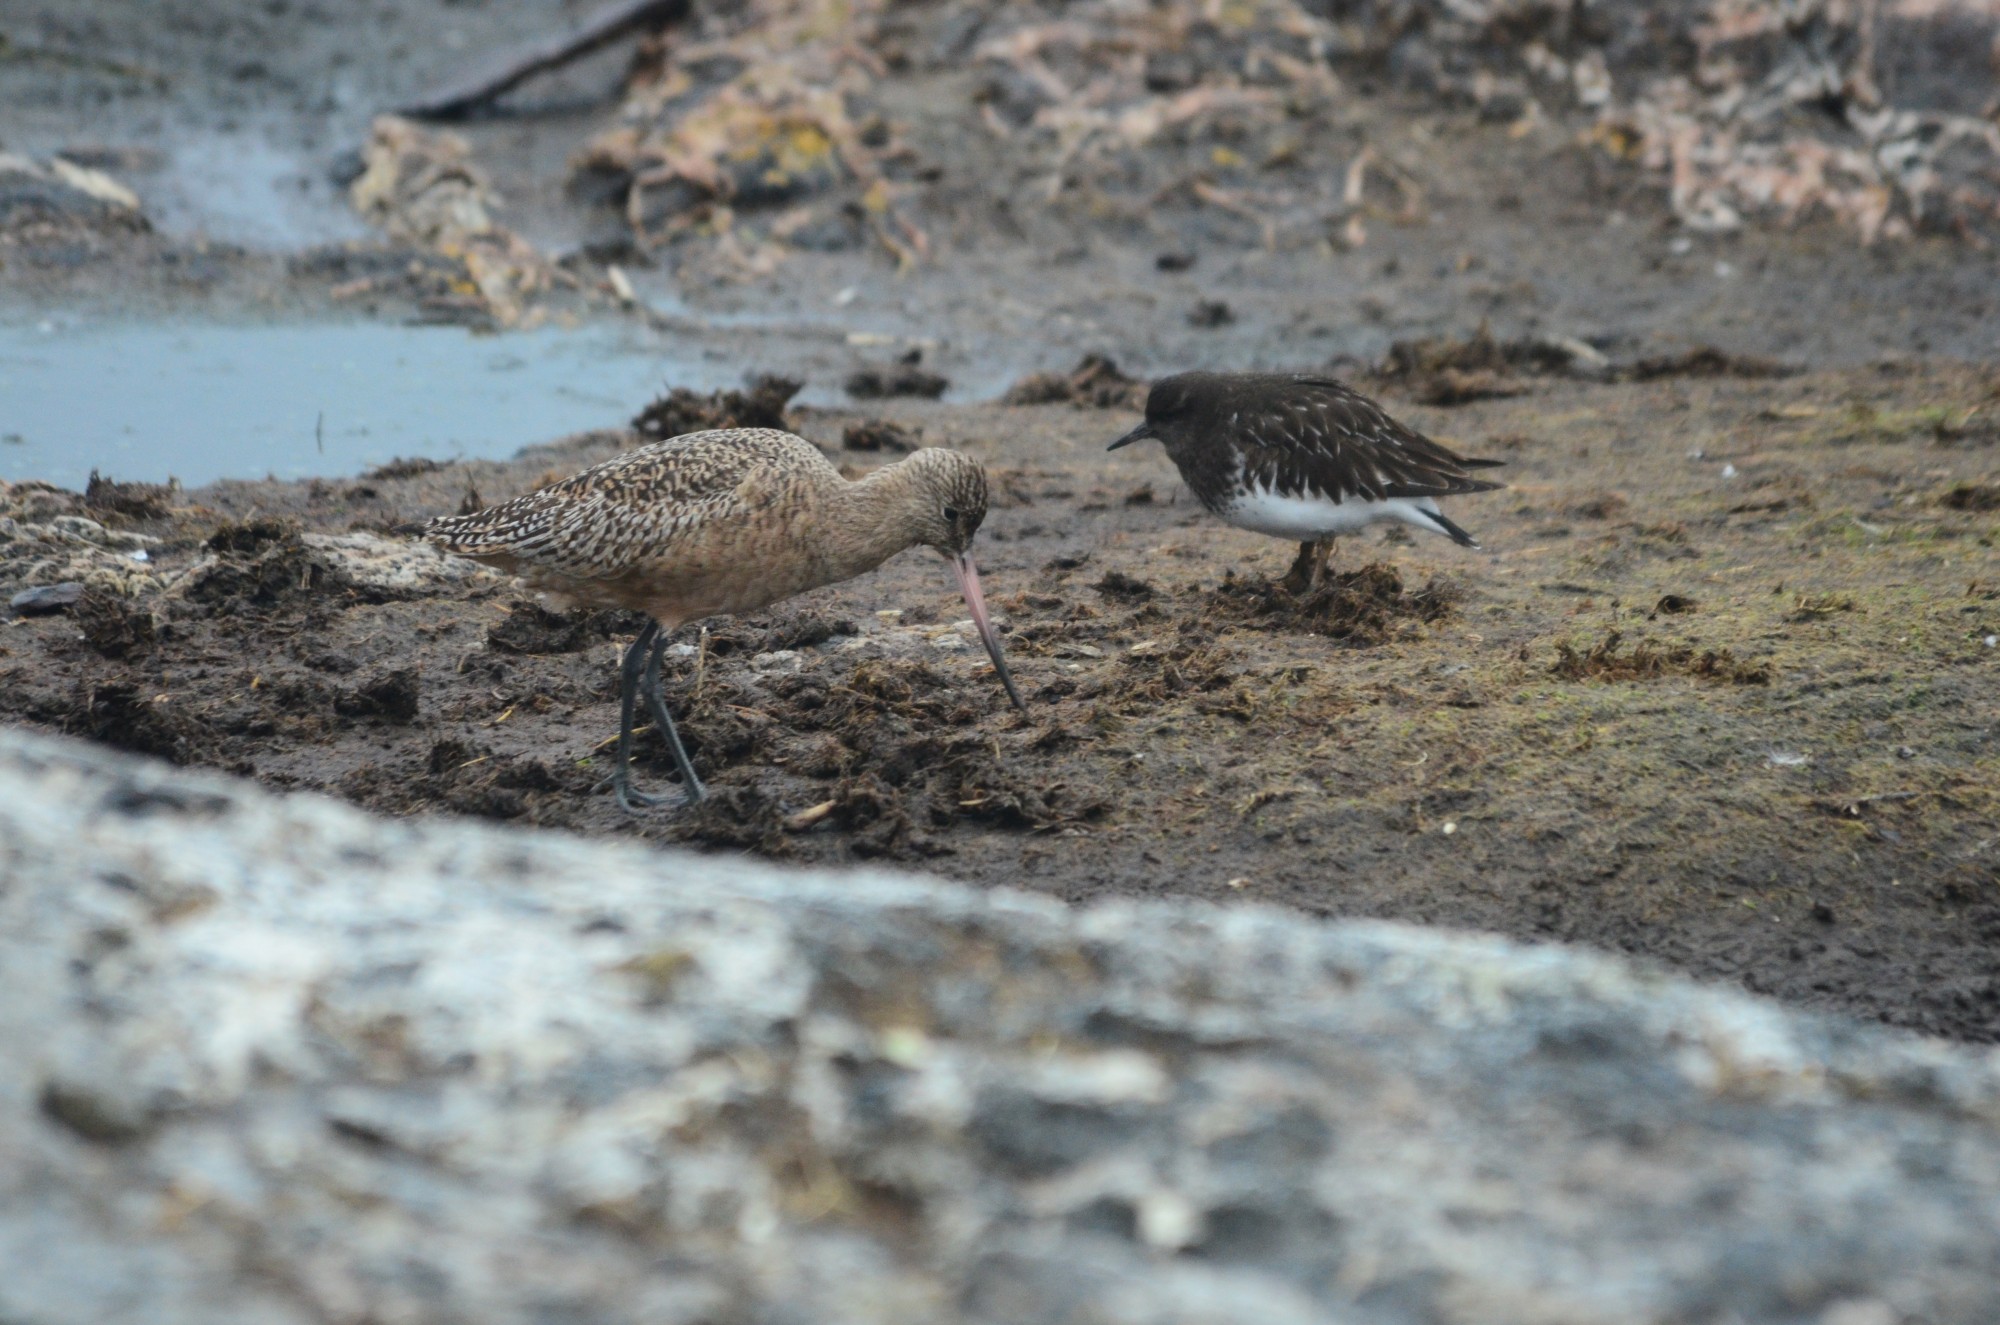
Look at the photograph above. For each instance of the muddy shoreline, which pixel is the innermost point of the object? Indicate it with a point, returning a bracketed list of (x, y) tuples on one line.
[(1729, 702)]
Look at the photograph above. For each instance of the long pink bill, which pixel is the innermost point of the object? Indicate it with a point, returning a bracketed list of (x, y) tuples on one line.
[(968, 584)]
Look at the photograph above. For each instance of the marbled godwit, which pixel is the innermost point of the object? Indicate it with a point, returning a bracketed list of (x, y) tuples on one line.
[(721, 522), (1304, 457)]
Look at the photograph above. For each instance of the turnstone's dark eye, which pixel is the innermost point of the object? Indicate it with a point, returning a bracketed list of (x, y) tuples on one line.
[(950, 515)]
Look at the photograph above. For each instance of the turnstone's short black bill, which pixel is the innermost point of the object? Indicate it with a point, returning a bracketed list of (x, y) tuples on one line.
[(1303, 457)]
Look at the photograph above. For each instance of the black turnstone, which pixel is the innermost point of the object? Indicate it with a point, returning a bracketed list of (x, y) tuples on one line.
[(1299, 456)]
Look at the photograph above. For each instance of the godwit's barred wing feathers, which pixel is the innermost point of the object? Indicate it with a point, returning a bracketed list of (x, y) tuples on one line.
[(634, 507)]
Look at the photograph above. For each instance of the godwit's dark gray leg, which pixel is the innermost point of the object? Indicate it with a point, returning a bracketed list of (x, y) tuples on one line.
[(656, 703), (630, 674)]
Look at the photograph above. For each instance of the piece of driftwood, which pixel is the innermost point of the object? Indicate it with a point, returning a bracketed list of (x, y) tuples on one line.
[(601, 28)]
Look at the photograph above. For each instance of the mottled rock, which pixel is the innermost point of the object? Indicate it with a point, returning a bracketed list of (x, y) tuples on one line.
[(271, 1060), (401, 566)]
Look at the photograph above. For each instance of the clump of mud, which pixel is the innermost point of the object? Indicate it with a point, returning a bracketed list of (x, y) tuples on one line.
[(893, 742), (684, 411), (905, 378), (114, 625), (531, 628), (390, 697), (1972, 497), (1360, 608), (404, 468), (1095, 383), (1648, 660), (464, 778), (1124, 588), (743, 818), (118, 714), (259, 566)]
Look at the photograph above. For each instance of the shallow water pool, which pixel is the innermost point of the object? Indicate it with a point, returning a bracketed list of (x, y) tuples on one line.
[(202, 402)]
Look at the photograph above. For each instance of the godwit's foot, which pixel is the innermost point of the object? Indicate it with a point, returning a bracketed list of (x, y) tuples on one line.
[(656, 703)]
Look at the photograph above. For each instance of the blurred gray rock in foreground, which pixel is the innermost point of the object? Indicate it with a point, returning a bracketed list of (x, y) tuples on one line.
[(270, 1060)]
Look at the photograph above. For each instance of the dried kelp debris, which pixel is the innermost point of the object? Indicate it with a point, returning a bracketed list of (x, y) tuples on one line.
[(1095, 383), (771, 126), (761, 405), (1361, 607), (1608, 661)]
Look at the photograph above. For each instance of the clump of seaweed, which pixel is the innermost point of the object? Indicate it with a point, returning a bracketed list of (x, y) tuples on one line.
[(139, 501), (1648, 660), (680, 410), (1095, 383), (1360, 607)]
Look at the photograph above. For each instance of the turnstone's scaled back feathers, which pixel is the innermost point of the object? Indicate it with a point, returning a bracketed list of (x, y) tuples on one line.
[(1302, 456)]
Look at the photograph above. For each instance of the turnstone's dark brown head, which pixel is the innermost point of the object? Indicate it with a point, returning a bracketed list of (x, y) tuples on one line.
[(1300, 456)]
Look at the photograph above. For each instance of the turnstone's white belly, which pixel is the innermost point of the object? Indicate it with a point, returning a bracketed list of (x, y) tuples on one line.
[(1306, 518)]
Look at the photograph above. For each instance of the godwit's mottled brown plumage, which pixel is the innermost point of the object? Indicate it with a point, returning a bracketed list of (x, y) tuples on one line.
[(722, 522)]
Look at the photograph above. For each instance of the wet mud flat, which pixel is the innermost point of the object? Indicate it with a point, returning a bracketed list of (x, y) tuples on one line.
[(1722, 689)]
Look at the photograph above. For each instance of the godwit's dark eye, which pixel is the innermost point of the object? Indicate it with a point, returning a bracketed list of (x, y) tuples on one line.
[(950, 515)]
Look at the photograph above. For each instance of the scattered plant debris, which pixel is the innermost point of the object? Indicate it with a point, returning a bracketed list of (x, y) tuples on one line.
[(1707, 361), (1647, 660), (1818, 607), (422, 188)]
